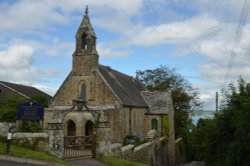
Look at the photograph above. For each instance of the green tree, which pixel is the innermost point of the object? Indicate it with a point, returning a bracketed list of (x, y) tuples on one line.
[(185, 98), (233, 126), (226, 138), (8, 111), (41, 99)]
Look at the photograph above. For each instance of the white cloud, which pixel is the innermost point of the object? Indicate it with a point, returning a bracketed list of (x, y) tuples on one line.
[(109, 52), (128, 7), (177, 32), (45, 89), (192, 27), (227, 10), (50, 47), (25, 16), (58, 47), (16, 65), (18, 56)]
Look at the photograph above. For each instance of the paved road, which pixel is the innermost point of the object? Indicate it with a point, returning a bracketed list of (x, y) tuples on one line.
[(195, 163), (10, 163), (85, 162)]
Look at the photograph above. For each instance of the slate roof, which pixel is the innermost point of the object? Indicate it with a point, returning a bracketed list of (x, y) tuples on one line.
[(125, 87), (26, 91), (159, 103)]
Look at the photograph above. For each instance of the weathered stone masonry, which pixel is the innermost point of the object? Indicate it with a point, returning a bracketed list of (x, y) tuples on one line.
[(123, 103)]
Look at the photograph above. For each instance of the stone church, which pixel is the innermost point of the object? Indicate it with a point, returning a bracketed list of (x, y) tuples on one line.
[(113, 103)]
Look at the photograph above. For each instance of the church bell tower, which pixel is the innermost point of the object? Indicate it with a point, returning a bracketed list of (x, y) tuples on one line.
[(85, 57)]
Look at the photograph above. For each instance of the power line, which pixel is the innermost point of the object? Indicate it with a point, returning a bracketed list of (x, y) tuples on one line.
[(238, 36)]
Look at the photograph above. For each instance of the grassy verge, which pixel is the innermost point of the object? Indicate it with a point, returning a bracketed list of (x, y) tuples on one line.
[(28, 153), (113, 161)]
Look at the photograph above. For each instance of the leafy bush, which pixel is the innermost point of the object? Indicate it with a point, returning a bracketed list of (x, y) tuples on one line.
[(133, 140), (8, 109), (130, 139), (31, 126), (225, 140)]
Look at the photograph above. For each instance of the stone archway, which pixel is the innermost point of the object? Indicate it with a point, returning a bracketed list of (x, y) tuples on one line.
[(79, 129)]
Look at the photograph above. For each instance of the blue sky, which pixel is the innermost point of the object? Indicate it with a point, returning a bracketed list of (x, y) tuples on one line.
[(195, 37)]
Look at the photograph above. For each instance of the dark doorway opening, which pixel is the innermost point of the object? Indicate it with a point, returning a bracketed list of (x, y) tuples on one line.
[(71, 128), (89, 128)]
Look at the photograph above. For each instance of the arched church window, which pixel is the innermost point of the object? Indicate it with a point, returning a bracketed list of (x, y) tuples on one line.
[(84, 41), (154, 124), (83, 91), (71, 128)]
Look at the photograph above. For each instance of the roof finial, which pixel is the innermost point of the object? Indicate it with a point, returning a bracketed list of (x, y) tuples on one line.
[(86, 10)]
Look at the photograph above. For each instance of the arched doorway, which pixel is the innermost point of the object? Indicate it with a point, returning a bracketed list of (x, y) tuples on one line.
[(71, 128), (89, 128)]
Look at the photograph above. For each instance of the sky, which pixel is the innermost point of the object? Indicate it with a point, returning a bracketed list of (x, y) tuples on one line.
[(37, 39)]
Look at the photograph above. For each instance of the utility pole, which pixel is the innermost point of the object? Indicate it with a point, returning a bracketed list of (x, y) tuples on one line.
[(216, 102)]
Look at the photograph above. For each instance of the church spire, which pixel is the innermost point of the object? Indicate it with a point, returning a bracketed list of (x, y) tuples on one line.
[(85, 53), (86, 10), (85, 34)]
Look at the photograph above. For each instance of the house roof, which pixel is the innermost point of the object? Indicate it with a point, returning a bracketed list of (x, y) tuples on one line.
[(159, 102), (125, 87), (26, 91)]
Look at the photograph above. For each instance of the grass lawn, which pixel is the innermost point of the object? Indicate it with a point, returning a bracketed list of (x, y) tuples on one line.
[(28, 153), (113, 161)]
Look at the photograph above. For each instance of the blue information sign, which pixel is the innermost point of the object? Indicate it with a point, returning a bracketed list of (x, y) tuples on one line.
[(30, 111)]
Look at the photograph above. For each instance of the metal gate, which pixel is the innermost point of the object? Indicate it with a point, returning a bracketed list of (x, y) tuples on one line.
[(79, 146)]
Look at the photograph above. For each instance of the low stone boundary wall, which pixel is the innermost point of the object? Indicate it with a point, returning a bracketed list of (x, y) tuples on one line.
[(180, 152), (36, 141), (154, 152), (4, 129), (116, 149)]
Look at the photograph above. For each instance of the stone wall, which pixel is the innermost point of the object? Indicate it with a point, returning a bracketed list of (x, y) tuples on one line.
[(36, 141), (152, 153), (4, 128), (180, 152), (97, 92), (53, 125), (149, 118), (142, 153), (126, 120)]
